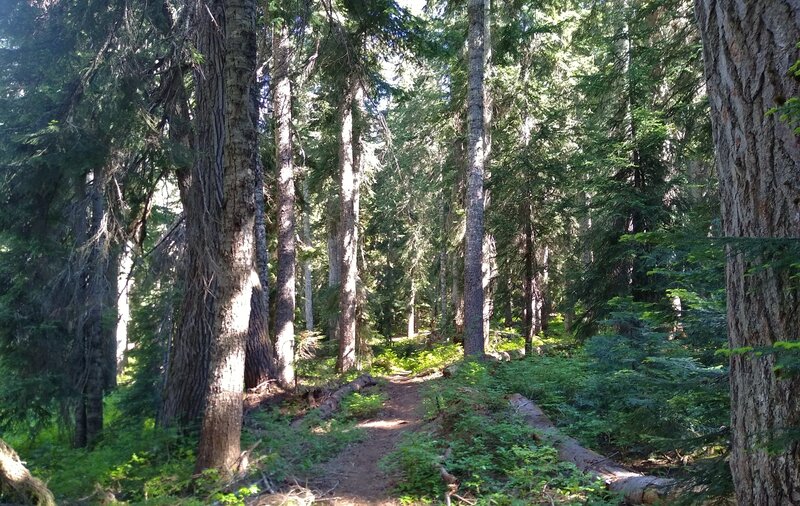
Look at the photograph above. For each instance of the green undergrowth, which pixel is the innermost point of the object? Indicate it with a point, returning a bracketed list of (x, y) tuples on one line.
[(137, 462), (284, 451), (488, 448), (414, 355), (615, 393), (366, 405)]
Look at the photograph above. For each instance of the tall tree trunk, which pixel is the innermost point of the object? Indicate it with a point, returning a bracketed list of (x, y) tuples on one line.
[(411, 328), (187, 359), (748, 48), (473, 258), (334, 248), (234, 56), (282, 109), (183, 399), (528, 304), (348, 231), (260, 362), (308, 241), (95, 326)]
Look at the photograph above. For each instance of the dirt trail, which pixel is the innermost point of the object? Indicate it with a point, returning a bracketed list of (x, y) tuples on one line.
[(353, 478)]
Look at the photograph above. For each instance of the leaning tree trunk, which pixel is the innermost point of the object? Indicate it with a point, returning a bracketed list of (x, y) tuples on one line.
[(17, 483), (748, 49), (282, 107), (473, 257), (348, 233), (234, 56)]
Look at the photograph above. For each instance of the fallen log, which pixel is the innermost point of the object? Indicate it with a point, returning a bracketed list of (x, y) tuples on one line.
[(636, 488), (331, 404), (18, 483)]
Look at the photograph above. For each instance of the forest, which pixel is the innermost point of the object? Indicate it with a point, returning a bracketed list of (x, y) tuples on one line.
[(396, 252)]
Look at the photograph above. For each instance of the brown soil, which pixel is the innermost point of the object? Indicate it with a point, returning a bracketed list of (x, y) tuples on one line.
[(354, 478)]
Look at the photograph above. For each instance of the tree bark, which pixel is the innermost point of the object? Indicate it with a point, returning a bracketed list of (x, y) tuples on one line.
[(308, 284), (348, 231), (528, 305), (473, 257), (234, 54), (260, 361), (96, 331), (18, 483), (748, 48), (183, 398), (282, 109), (334, 248)]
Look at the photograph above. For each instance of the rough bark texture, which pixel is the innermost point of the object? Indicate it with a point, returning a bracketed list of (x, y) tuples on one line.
[(334, 248), (473, 258), (308, 284), (183, 398), (260, 361), (748, 49), (282, 109), (220, 435), (97, 361), (331, 404), (348, 233), (17, 483), (635, 487)]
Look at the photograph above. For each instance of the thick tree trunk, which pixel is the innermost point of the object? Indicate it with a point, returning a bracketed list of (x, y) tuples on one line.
[(348, 231), (748, 49), (97, 332), (282, 109), (234, 55), (184, 394), (186, 365), (473, 258)]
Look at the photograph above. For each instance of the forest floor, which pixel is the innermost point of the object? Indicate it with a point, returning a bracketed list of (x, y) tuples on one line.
[(355, 477)]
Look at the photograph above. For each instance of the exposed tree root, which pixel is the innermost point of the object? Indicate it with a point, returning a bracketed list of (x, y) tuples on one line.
[(18, 483), (635, 487)]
